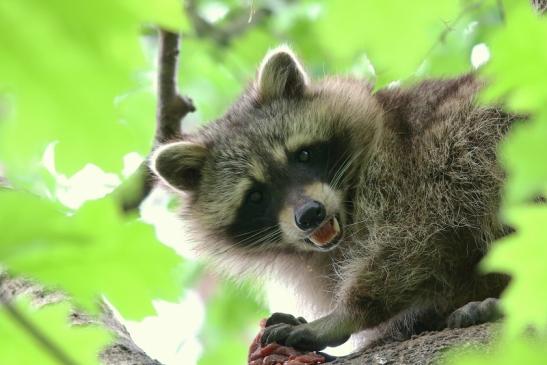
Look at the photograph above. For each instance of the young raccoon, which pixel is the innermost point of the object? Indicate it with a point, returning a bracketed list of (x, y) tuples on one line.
[(376, 207)]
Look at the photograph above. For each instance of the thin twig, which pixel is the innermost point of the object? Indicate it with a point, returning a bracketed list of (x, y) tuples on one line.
[(450, 27), (501, 10), (237, 22), (40, 337), (171, 109)]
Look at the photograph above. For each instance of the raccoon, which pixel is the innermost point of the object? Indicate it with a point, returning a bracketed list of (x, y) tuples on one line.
[(375, 206)]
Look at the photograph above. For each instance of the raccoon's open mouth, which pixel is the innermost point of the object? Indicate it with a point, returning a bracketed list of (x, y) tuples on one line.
[(327, 235)]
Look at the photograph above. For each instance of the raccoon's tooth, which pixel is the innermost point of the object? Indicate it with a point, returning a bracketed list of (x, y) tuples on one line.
[(336, 225)]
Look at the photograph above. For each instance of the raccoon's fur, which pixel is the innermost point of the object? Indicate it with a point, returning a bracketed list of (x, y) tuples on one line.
[(376, 207)]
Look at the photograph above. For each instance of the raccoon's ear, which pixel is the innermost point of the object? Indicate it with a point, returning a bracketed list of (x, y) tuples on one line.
[(179, 164), (281, 74)]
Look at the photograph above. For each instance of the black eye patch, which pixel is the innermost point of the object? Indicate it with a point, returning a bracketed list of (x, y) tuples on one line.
[(256, 218), (310, 161), (319, 161)]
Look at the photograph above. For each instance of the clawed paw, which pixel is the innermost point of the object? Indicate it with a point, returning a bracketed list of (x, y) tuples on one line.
[(291, 331), (301, 336), (277, 318), (475, 313)]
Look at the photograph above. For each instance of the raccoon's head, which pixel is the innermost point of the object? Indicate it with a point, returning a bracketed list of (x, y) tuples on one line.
[(276, 172)]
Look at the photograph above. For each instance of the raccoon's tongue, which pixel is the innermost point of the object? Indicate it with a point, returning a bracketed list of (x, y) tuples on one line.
[(325, 233)]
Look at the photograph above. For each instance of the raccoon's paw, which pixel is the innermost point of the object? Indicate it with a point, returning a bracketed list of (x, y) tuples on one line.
[(278, 317), (475, 313), (302, 336)]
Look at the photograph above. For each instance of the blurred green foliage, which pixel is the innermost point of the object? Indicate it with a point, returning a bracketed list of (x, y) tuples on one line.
[(78, 344), (81, 74)]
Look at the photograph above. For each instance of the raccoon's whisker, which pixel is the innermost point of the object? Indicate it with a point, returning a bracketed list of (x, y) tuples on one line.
[(253, 235), (253, 231), (343, 169), (265, 239), (338, 166), (354, 223), (236, 245), (335, 181)]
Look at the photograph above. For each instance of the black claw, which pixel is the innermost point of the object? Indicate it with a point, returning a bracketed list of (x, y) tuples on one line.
[(283, 318), (475, 313), (276, 333)]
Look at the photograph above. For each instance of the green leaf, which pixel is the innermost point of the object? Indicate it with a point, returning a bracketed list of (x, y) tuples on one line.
[(523, 155), (65, 63), (523, 255), (519, 56), (96, 251), (82, 344), (395, 35), (232, 320), (514, 351), (205, 76)]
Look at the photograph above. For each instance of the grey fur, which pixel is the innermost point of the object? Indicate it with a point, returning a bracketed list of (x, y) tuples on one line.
[(421, 192)]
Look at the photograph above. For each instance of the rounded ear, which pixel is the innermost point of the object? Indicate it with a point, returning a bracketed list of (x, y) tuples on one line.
[(179, 164), (281, 74)]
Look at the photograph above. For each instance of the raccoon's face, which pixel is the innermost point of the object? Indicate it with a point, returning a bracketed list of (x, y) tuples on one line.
[(274, 172)]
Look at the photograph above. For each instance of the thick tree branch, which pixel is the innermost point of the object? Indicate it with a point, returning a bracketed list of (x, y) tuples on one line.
[(426, 349)]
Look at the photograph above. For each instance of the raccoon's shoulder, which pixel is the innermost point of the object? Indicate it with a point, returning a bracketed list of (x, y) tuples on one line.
[(410, 111)]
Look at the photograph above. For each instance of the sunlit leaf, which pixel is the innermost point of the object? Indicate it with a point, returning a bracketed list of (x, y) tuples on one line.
[(233, 314), (81, 344), (524, 157), (395, 35), (516, 351), (65, 63), (96, 251), (519, 56), (523, 255)]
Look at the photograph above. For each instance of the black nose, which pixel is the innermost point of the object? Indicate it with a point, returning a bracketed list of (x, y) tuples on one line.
[(309, 215)]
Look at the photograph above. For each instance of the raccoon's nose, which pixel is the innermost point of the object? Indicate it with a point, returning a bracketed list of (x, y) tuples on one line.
[(309, 215)]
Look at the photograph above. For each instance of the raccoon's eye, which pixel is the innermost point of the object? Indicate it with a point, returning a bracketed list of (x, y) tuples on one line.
[(256, 197), (304, 155)]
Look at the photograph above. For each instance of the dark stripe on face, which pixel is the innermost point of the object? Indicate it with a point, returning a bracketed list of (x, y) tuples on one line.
[(256, 219)]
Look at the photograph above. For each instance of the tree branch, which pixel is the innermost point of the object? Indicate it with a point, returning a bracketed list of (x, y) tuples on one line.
[(171, 109)]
